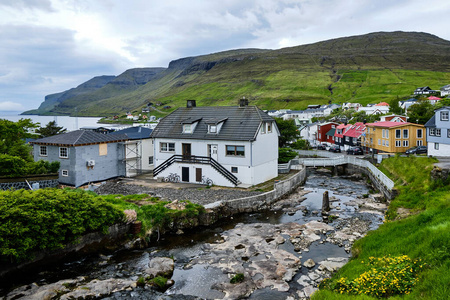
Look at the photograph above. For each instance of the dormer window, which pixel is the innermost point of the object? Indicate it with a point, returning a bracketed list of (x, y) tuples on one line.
[(212, 129), (187, 128)]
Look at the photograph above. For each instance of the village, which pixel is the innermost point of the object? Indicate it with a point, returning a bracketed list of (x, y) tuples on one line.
[(238, 146)]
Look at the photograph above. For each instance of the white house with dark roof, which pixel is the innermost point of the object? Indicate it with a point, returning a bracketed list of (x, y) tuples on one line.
[(85, 156), (230, 145), (445, 90)]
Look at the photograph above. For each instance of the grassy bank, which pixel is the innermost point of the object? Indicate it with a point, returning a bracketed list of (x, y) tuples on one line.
[(408, 257)]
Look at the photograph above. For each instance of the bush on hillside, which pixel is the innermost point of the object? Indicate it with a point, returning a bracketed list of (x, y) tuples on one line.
[(15, 166)]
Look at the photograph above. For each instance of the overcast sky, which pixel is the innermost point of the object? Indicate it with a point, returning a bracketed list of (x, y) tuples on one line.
[(48, 46)]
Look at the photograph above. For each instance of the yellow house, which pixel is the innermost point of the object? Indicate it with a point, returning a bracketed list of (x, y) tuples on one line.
[(393, 137)]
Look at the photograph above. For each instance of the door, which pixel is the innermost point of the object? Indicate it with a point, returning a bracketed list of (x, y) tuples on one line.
[(212, 151), (185, 174), (186, 150), (198, 174)]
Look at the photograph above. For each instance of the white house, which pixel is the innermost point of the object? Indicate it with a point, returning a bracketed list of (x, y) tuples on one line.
[(309, 132), (229, 145), (445, 90)]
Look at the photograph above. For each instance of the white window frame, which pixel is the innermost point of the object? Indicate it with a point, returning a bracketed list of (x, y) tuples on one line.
[(379, 141), (263, 128), (406, 143), (212, 129), (166, 147), (43, 151), (432, 131), (398, 133), (419, 143), (438, 132), (65, 173), (421, 133), (398, 143), (436, 146), (444, 115), (405, 136), (187, 128), (63, 152)]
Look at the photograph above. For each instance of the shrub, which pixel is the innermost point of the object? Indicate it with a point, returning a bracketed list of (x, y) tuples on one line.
[(386, 277), (285, 155), (238, 278)]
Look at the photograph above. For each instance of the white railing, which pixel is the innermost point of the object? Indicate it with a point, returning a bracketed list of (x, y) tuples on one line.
[(335, 160)]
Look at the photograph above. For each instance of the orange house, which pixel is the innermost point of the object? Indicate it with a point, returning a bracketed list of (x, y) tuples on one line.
[(394, 137)]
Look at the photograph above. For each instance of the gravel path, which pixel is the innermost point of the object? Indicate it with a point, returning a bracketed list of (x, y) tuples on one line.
[(201, 196)]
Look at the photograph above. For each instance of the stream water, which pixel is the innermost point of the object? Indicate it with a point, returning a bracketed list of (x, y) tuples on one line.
[(200, 279)]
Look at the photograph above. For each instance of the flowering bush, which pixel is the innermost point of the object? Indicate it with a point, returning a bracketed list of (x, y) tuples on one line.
[(387, 276)]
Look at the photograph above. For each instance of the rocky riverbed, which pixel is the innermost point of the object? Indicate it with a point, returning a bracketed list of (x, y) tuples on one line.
[(283, 253)]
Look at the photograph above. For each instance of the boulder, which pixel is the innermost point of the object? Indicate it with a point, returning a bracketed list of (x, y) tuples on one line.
[(160, 266)]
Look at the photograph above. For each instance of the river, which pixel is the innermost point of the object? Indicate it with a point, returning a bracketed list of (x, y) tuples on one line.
[(269, 247)]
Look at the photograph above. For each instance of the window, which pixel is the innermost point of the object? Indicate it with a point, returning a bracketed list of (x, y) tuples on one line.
[(419, 143), (150, 160), (263, 128), (448, 133), (398, 133), (387, 143), (438, 132), (103, 149), (187, 128), (444, 115), (384, 143), (432, 131), (405, 143), (419, 133), (167, 147), (235, 150), (212, 128), (398, 143), (65, 173), (436, 146), (371, 140), (379, 142), (42, 150), (405, 133), (269, 127), (347, 139), (382, 133), (63, 152), (234, 169)]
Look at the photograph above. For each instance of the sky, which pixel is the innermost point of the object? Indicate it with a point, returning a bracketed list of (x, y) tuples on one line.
[(49, 46)]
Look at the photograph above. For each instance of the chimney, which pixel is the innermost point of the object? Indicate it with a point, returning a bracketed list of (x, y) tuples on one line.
[(191, 103), (243, 102)]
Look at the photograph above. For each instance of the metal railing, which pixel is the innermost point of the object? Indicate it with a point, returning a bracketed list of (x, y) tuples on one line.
[(192, 159), (340, 160)]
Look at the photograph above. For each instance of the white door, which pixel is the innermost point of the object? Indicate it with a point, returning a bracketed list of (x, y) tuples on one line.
[(212, 151)]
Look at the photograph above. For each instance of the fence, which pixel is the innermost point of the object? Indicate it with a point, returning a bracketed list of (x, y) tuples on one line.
[(335, 160)]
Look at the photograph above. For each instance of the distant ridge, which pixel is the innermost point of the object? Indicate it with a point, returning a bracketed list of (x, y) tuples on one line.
[(368, 68)]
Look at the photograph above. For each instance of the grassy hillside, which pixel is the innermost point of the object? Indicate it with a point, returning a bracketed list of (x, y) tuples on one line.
[(420, 241), (366, 69)]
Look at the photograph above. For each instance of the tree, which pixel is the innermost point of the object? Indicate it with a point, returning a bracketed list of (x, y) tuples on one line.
[(50, 129), (421, 112), (395, 108), (12, 138), (288, 131)]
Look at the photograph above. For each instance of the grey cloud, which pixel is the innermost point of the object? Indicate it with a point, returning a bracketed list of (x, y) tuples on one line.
[(44, 5)]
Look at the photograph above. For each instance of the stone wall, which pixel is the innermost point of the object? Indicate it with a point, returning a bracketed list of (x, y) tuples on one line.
[(354, 169), (262, 201), (49, 181)]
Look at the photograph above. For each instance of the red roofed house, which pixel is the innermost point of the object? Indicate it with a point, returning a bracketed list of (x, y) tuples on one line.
[(352, 137), (394, 118), (339, 135), (323, 129), (433, 99), (393, 137)]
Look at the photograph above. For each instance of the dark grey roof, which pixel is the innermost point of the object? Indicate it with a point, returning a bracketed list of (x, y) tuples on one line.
[(239, 123), (79, 138), (331, 132), (135, 133), (431, 122)]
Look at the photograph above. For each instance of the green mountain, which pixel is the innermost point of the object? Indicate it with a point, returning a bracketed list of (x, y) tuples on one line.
[(368, 68)]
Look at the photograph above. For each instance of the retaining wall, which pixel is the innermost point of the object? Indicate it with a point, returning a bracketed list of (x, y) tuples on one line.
[(44, 181), (261, 201)]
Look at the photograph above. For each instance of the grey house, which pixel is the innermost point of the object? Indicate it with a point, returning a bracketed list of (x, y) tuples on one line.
[(438, 132), (85, 156)]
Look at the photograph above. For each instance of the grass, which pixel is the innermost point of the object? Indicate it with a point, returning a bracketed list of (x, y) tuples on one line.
[(423, 236)]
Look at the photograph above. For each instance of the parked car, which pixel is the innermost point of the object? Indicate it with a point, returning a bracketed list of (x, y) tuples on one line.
[(417, 150), (322, 147), (355, 151), (335, 148)]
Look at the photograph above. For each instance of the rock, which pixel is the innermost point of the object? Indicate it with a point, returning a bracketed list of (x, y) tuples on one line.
[(160, 266), (179, 232), (309, 290), (99, 288), (309, 263)]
